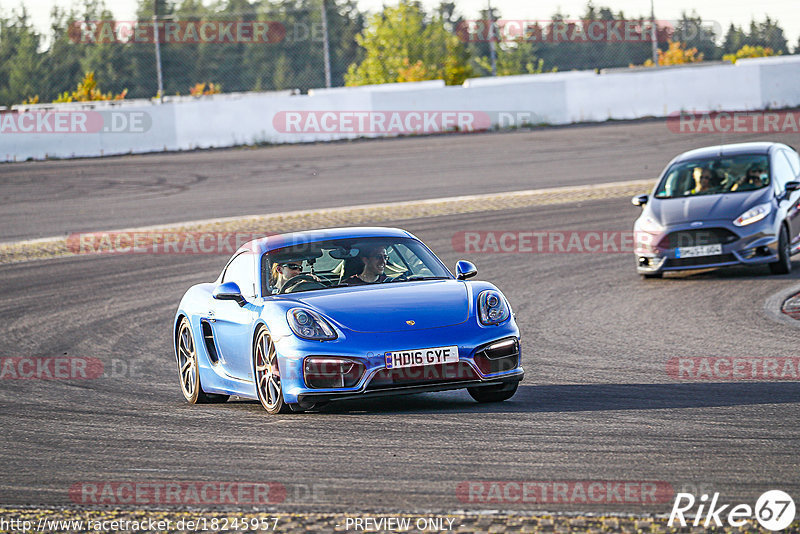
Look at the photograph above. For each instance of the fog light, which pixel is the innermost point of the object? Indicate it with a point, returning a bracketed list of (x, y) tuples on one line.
[(324, 373), (749, 253), (498, 357)]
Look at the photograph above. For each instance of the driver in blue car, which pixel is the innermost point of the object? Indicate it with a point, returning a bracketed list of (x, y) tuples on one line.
[(281, 272), (374, 260)]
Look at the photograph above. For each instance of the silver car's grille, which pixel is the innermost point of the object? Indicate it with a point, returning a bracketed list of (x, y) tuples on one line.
[(699, 261), (698, 237)]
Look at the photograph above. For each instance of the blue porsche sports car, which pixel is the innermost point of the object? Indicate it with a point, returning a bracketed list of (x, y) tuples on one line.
[(298, 320)]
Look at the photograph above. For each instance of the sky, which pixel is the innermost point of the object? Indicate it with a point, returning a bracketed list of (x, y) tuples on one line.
[(739, 12)]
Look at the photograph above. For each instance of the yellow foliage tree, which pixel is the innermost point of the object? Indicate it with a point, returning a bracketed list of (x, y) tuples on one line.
[(412, 73), (676, 54), (201, 89), (87, 91), (749, 51)]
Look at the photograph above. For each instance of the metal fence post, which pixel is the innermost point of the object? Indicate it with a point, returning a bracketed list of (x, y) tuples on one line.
[(325, 47), (158, 57), (653, 33), (492, 39)]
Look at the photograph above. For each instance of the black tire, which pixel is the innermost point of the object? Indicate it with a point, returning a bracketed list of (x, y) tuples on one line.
[(652, 275), (267, 374), (784, 263), (494, 393), (189, 371)]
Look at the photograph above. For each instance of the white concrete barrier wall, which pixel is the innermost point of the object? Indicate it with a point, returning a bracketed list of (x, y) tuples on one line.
[(332, 114)]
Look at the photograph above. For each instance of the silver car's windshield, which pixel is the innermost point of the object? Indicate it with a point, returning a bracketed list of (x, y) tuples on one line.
[(715, 176), (349, 262)]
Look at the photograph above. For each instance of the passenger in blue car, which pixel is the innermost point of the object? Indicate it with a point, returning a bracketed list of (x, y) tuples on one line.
[(374, 260)]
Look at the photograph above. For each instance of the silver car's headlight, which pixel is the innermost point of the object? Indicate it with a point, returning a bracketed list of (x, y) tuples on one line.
[(492, 307), (754, 214), (308, 324)]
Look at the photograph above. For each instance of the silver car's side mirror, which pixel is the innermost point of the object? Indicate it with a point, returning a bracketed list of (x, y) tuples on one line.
[(639, 200), (465, 269)]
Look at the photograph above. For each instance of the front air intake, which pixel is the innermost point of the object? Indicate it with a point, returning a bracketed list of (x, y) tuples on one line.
[(498, 356)]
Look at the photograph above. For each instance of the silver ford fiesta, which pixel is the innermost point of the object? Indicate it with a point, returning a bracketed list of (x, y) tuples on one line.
[(720, 206)]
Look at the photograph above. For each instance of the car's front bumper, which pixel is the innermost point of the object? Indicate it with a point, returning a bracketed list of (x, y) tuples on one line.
[(306, 400), (369, 348), (749, 245)]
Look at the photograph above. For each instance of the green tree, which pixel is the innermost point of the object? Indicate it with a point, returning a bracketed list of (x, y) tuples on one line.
[(516, 57), (401, 42), (62, 60), (691, 32), (767, 34), (734, 39), (20, 59), (108, 59), (606, 52)]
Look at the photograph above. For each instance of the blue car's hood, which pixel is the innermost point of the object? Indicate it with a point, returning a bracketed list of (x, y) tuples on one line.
[(387, 307), (671, 211)]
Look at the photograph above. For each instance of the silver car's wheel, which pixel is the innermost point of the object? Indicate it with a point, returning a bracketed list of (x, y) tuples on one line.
[(784, 263), (188, 371), (268, 374)]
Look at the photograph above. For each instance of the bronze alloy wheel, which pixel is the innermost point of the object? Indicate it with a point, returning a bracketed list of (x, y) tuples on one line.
[(268, 374)]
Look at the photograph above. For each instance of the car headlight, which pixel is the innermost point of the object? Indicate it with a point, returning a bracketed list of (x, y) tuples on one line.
[(492, 307), (754, 214), (308, 324), (649, 225)]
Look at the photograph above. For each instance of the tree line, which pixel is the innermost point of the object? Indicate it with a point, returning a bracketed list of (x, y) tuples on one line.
[(403, 42)]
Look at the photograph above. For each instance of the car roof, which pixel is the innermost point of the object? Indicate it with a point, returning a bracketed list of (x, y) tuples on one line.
[(728, 150), (273, 242)]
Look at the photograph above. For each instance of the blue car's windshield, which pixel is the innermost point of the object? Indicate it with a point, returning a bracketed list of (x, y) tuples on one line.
[(715, 176), (349, 262)]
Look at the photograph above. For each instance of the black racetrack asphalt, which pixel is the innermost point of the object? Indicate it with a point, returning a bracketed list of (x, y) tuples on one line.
[(597, 402)]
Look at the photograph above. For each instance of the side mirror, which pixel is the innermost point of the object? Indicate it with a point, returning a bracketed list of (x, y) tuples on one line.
[(465, 269), (229, 291), (639, 200)]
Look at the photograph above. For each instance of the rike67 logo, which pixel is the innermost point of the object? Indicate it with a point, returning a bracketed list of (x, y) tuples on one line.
[(774, 511)]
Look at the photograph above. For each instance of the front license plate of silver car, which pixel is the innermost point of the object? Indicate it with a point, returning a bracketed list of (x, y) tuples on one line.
[(695, 252)]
